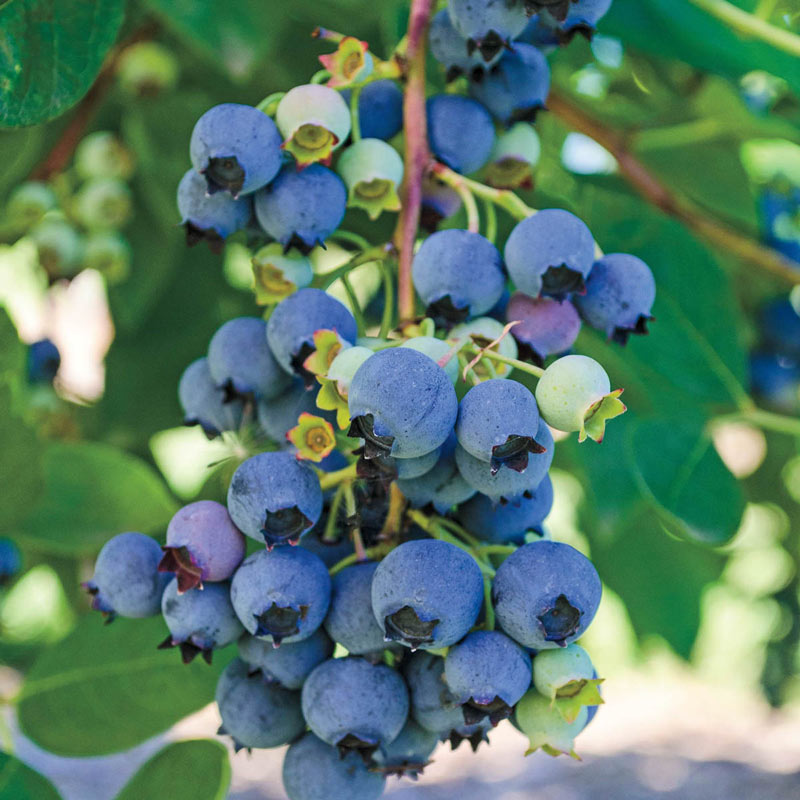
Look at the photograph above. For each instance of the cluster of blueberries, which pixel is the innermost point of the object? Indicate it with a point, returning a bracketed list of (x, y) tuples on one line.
[(401, 588)]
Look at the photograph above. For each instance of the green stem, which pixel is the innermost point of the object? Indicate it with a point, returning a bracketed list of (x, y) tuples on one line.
[(320, 76), (355, 124), (768, 420), (388, 299), (513, 362), (330, 480), (488, 606), (371, 553), (459, 531), (750, 25), (765, 8), (352, 510), (371, 254), (270, 103), (497, 549), (470, 206), (491, 220), (351, 238), (331, 534), (355, 305)]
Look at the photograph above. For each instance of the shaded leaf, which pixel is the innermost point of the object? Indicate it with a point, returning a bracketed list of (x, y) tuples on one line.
[(20, 782)]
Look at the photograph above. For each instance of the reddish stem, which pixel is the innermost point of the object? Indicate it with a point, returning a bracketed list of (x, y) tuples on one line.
[(417, 155)]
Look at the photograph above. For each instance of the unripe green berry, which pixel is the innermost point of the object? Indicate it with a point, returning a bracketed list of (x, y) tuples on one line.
[(277, 274), (103, 203), (513, 156), (567, 676), (102, 155), (335, 386), (372, 171), (109, 253), (481, 331), (60, 247), (147, 68), (544, 726), (436, 349), (28, 203)]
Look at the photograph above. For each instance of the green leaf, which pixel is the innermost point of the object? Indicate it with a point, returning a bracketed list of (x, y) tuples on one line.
[(689, 486), (50, 54), (202, 764), (18, 782), (93, 491), (12, 351), (106, 688)]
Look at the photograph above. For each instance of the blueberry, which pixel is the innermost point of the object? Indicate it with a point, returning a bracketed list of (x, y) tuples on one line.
[(780, 328), (546, 594), (460, 132), (335, 387), (410, 468), (508, 484), (408, 754), (240, 361), (776, 379), (291, 663), (313, 770), (557, 9), (279, 415), (350, 620), (488, 673), (515, 154), (202, 545), (10, 560), (59, 247), (213, 217), (401, 403), (583, 17), (488, 25), (355, 705), (547, 326), (295, 320), (102, 155), (620, 291), (780, 213), (550, 253), (275, 498), (200, 621), (508, 523), (497, 422), (543, 32), (28, 203), (314, 121), (567, 677), (44, 361), (436, 349), (451, 50), (442, 485), (126, 581), (458, 274), (283, 595), (482, 331), (204, 403), (544, 726), (109, 253), (427, 594), (256, 713), (372, 171), (278, 274), (380, 109), (330, 552), (439, 202), (236, 147), (516, 88)]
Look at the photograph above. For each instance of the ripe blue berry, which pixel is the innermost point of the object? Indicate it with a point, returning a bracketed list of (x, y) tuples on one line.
[(515, 154), (43, 362), (546, 594), (508, 484), (541, 31), (488, 25), (776, 379), (330, 552), (488, 673), (240, 361), (302, 208), (583, 17), (427, 594), (213, 217), (458, 274), (401, 403), (503, 523), (780, 211), (439, 202), (274, 498), (313, 770), (10, 560), (550, 253), (256, 713), (407, 754), (126, 580), (350, 620), (460, 132), (620, 291), (557, 9), (516, 88), (436, 349), (199, 621), (547, 326), (291, 663), (451, 50), (283, 595), (202, 545), (204, 403), (295, 320), (355, 705), (497, 423), (372, 171), (380, 109), (410, 468), (780, 327), (237, 148), (279, 415)]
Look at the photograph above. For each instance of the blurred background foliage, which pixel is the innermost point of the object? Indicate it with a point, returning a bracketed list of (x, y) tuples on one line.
[(690, 507)]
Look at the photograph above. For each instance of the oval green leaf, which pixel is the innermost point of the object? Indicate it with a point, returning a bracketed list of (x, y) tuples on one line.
[(21, 783)]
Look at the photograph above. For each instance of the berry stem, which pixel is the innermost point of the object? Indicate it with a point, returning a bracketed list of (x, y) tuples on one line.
[(394, 516), (331, 534), (371, 553), (768, 420), (513, 362), (320, 76), (359, 259), (355, 306), (416, 152), (351, 238), (470, 206), (488, 606), (270, 103), (388, 299), (497, 549), (355, 124), (330, 480), (491, 220), (351, 509), (751, 25), (455, 528)]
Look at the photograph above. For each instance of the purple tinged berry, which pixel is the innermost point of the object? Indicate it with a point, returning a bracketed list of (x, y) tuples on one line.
[(460, 132), (546, 594), (126, 581), (487, 25), (516, 88), (283, 595), (408, 754), (203, 544), (355, 705), (302, 208), (240, 361), (274, 498), (372, 171), (451, 50), (380, 109), (427, 594), (516, 152), (544, 726), (550, 253), (497, 422), (256, 713), (620, 292), (488, 673), (211, 217), (199, 622), (314, 121), (313, 770), (237, 149), (203, 402), (547, 326), (290, 664), (458, 274), (401, 403)]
